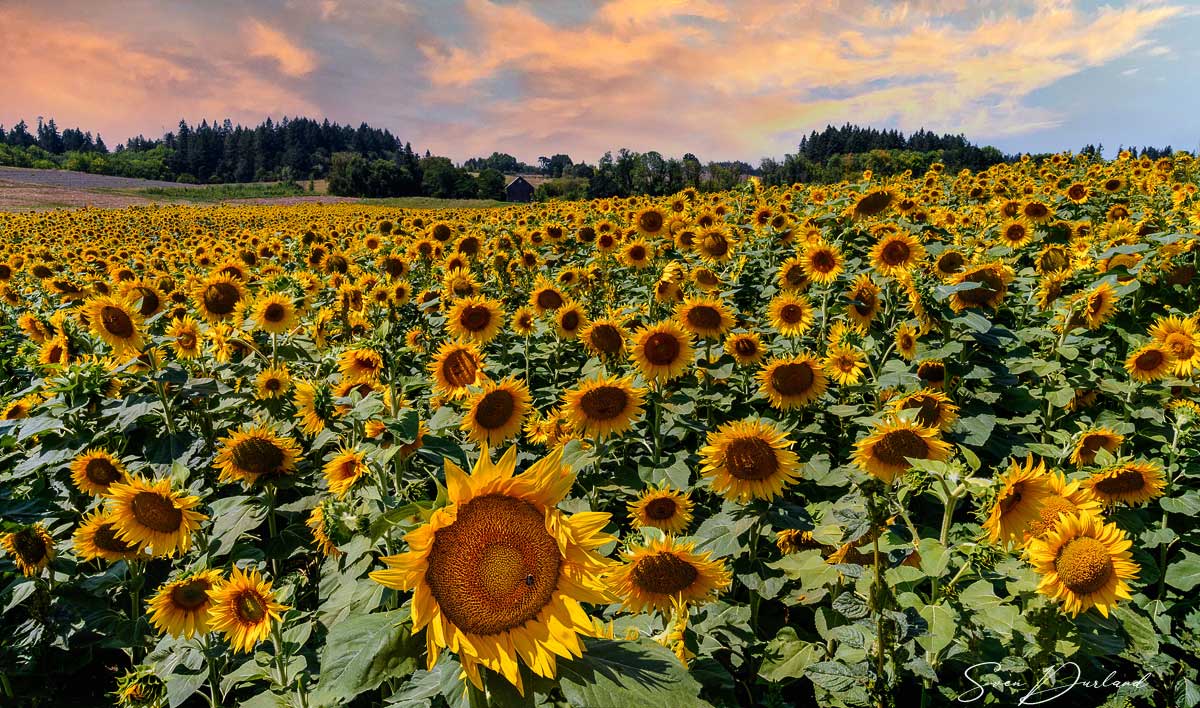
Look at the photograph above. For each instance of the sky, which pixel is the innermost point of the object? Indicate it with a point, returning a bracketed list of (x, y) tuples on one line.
[(723, 79)]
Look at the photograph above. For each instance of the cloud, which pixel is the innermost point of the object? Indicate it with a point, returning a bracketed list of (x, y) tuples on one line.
[(270, 43)]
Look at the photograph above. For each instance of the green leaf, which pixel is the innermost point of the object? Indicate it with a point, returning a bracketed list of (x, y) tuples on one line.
[(232, 517), (786, 656), (807, 566), (935, 558), (619, 673), (943, 623), (1142, 636), (364, 651), (831, 676), (1184, 574), (20, 593)]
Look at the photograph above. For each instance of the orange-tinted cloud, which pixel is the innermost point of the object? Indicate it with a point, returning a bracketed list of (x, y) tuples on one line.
[(264, 41)]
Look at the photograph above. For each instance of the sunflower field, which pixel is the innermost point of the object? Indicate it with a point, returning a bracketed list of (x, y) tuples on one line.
[(924, 440)]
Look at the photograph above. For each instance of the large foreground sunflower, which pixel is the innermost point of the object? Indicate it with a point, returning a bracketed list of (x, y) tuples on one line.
[(181, 607), (886, 452), (749, 459), (243, 608), (1084, 563), (654, 576), (499, 573), (150, 514)]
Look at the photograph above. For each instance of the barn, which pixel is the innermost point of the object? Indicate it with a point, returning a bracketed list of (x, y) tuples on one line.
[(518, 190)]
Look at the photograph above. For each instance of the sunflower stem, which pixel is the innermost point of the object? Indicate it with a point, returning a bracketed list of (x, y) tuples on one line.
[(280, 664), (655, 396), (271, 527), (1162, 552), (135, 603), (213, 680)]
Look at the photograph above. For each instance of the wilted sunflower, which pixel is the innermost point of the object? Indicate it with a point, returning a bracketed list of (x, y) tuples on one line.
[(117, 322), (662, 508), (272, 382), (456, 367), (1150, 363), (181, 607), (499, 573), (243, 608), (886, 452), (1084, 563), (149, 514), (789, 382), (604, 337), (745, 347), (31, 549), (254, 452), (1023, 490), (1132, 483), (895, 253), (320, 531), (845, 364), (274, 313), (654, 576), (791, 314), (360, 365), (218, 295), (991, 279), (1091, 441), (497, 412), (704, 317), (96, 537), (1180, 335), (934, 409), (344, 469), (477, 319), (185, 334), (95, 470), (662, 351), (823, 262), (604, 406), (749, 459)]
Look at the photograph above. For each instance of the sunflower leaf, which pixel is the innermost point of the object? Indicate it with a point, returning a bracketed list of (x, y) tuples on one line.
[(363, 651), (621, 673)]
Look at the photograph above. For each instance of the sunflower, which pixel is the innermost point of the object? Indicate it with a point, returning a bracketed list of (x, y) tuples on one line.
[(456, 367), (116, 321), (150, 514), (749, 459), (906, 341), (20, 408), (872, 203), (242, 608), (933, 408), (523, 321), (662, 351), (1131, 483), (653, 577), (704, 317), (1065, 498), (320, 530), (823, 262), (181, 607), (1084, 563), (569, 320), (1150, 363), (1037, 212), (31, 549), (949, 263), (886, 452), (793, 381), (637, 254), (1023, 491), (360, 364), (497, 412), (1099, 305), (991, 280), (792, 277), (746, 348), (715, 244), (1091, 441), (650, 221), (1053, 258), (185, 334), (895, 253), (662, 508), (1181, 337), (604, 406), (845, 365), (253, 452), (864, 301), (272, 382), (274, 313), (95, 470), (604, 337), (791, 314), (1015, 233), (499, 573), (96, 537), (218, 295), (314, 406), (344, 469), (790, 541), (55, 352), (477, 319)]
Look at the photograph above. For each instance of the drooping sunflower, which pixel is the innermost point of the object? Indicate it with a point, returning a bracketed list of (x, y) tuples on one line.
[(1091, 441), (185, 334), (749, 459), (791, 314), (181, 607), (117, 322), (95, 470), (274, 313), (845, 364), (1084, 563), (218, 295), (477, 319), (360, 364), (320, 530), (662, 351), (991, 279), (906, 341), (254, 452), (456, 367), (1182, 337), (604, 406), (746, 348), (1100, 304), (895, 253), (1150, 363), (1023, 490), (604, 337), (497, 412), (864, 301), (149, 514), (793, 381), (655, 575), (933, 408), (662, 508), (499, 573), (344, 469), (31, 549), (872, 203), (886, 452), (708, 318), (96, 537), (1133, 483), (823, 262), (243, 608)]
